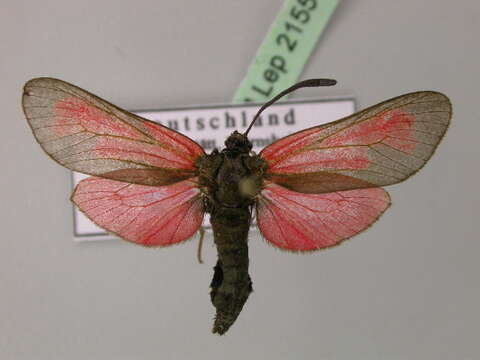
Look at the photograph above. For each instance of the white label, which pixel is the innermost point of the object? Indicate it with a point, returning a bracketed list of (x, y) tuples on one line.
[(211, 125)]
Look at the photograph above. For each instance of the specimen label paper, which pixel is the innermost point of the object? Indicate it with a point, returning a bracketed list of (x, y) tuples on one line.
[(285, 50), (211, 125)]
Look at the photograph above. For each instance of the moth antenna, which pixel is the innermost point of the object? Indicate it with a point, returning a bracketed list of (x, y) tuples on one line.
[(301, 84)]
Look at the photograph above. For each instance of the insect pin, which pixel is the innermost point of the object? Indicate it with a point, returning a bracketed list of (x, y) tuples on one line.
[(310, 190)]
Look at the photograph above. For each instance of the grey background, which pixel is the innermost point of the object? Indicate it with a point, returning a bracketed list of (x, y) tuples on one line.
[(406, 289)]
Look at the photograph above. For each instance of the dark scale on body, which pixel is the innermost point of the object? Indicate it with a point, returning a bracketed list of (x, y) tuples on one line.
[(230, 180)]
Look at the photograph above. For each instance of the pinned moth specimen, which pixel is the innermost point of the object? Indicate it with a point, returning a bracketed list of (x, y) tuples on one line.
[(313, 189)]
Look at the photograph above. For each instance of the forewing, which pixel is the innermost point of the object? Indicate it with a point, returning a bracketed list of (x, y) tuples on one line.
[(146, 215), (87, 134), (303, 222), (382, 145)]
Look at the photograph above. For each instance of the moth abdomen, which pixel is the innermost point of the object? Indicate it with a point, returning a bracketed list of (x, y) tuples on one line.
[(231, 284)]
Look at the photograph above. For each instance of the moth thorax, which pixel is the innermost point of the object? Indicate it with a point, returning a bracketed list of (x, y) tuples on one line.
[(249, 186), (238, 142)]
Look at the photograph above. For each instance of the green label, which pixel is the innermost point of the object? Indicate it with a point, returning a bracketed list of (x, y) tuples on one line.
[(280, 59)]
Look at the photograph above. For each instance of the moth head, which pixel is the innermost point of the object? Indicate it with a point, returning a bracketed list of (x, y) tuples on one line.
[(238, 142)]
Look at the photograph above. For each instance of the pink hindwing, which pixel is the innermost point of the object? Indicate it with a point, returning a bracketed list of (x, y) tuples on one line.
[(146, 215), (302, 222)]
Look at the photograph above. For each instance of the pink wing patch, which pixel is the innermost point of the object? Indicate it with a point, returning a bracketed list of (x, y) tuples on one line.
[(303, 222), (392, 126), (347, 149), (301, 150), (146, 215), (152, 144)]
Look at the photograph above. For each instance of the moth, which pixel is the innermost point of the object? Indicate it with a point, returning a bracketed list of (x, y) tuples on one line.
[(310, 190)]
